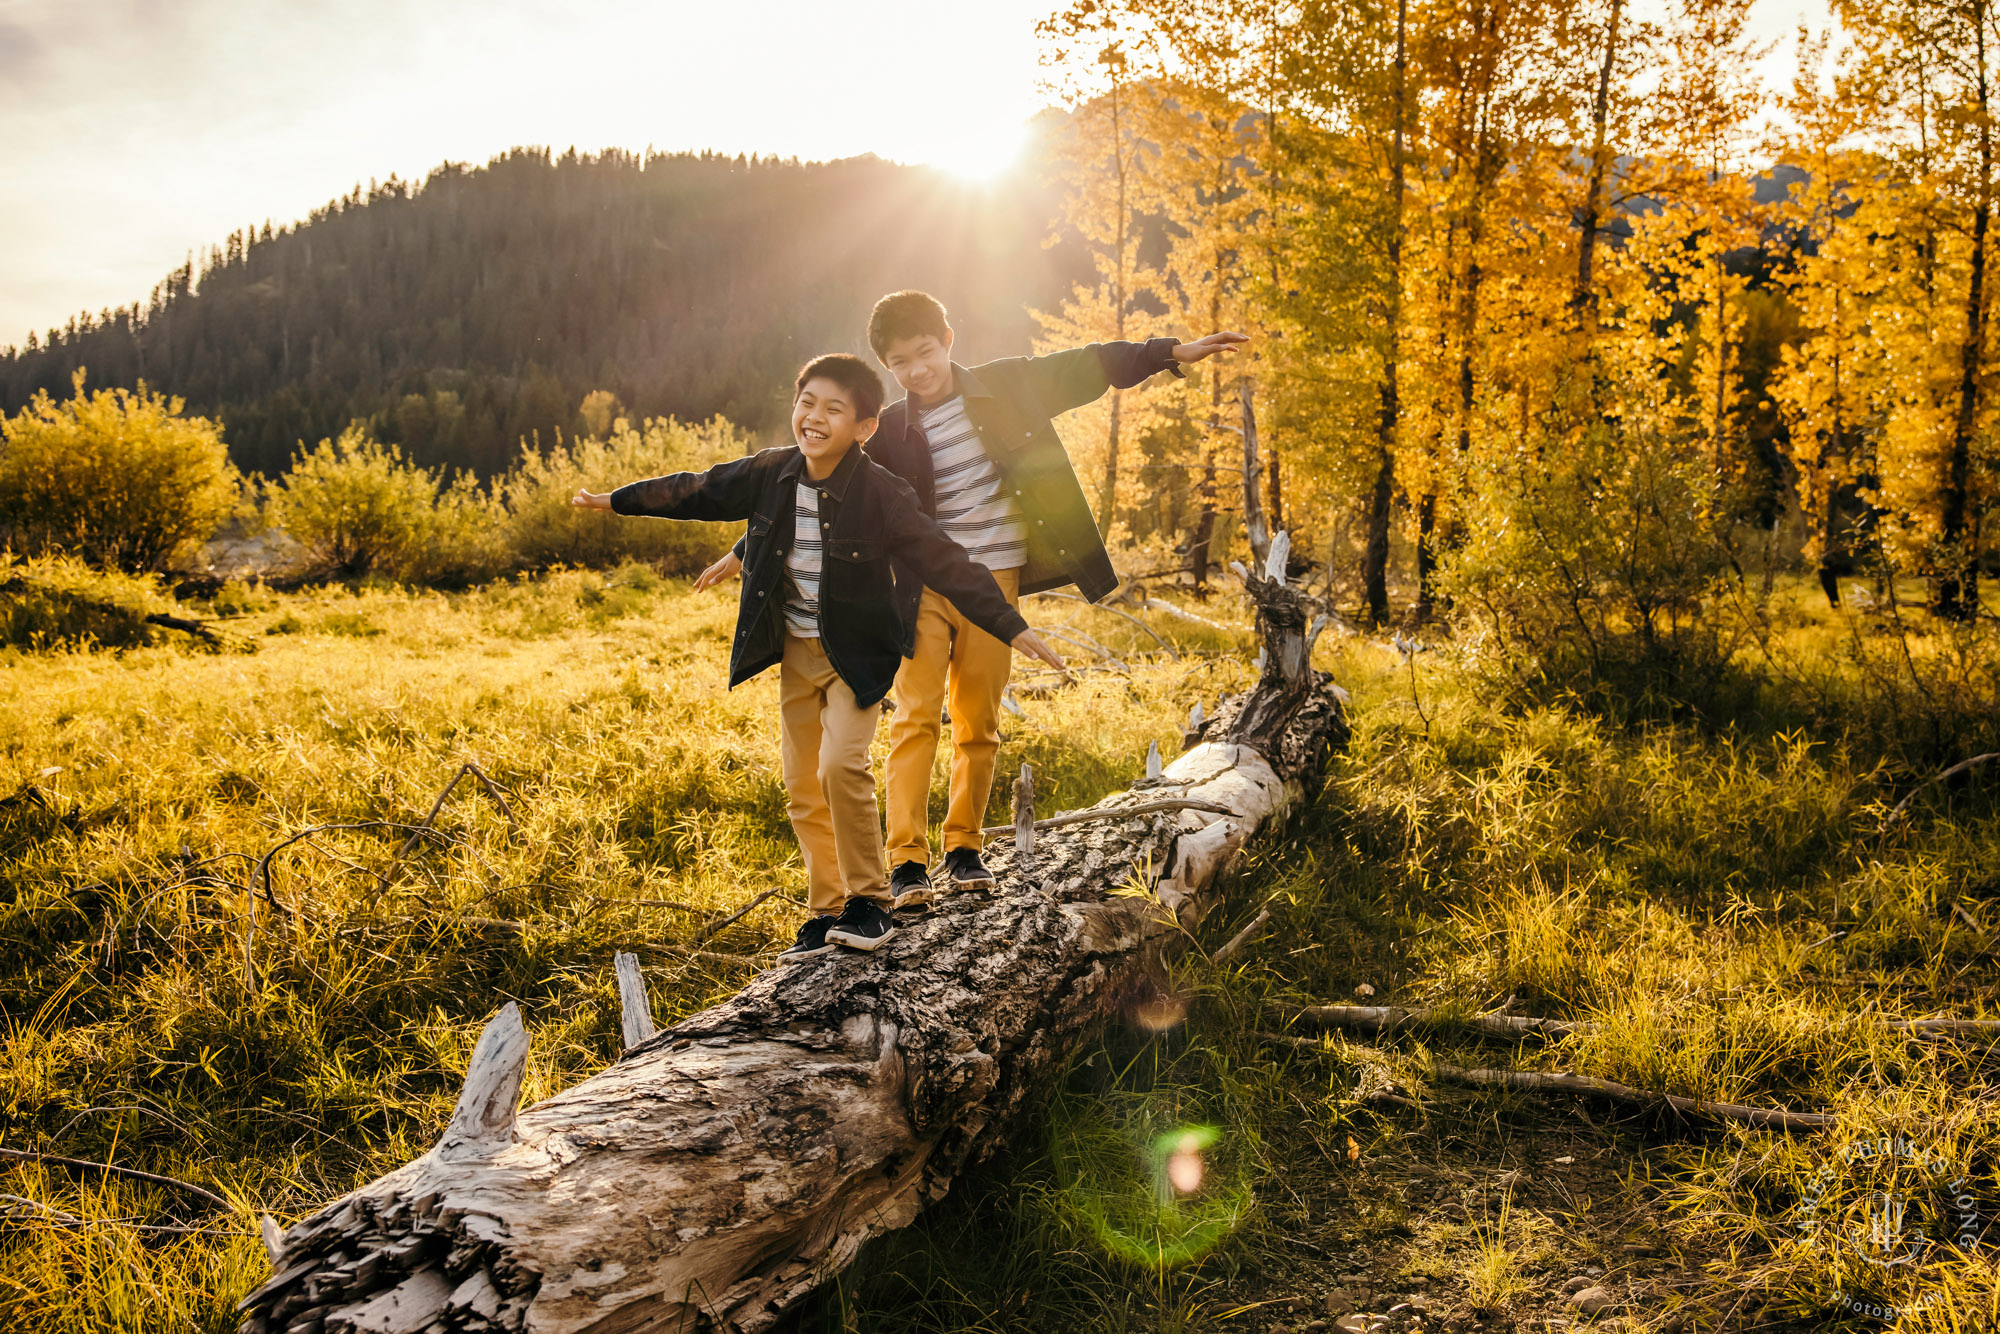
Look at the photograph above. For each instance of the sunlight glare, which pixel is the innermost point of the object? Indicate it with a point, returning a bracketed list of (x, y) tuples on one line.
[(979, 152)]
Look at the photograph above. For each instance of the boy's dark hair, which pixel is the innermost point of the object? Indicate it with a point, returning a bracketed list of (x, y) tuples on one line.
[(902, 315), (851, 373)]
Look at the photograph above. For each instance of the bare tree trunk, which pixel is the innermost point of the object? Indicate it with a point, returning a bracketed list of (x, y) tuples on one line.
[(730, 1164), (1107, 502), (1375, 553), (1957, 596), (1254, 527), (1584, 300)]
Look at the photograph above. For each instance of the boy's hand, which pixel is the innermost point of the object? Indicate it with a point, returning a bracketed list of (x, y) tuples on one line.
[(591, 500), (1030, 643), (1203, 348), (728, 567)]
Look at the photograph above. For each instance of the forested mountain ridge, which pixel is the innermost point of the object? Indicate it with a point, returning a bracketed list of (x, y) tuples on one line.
[(466, 313)]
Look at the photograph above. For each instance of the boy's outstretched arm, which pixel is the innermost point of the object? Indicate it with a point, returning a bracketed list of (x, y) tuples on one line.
[(1080, 375), (726, 491), (961, 580)]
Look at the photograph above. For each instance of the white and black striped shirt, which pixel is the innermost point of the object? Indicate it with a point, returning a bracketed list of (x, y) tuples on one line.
[(802, 564), (973, 506)]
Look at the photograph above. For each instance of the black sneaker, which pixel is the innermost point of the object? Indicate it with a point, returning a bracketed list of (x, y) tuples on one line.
[(812, 939), (863, 925), (910, 884), (964, 869)]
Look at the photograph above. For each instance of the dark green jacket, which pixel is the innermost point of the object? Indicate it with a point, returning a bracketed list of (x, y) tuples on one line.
[(1010, 403)]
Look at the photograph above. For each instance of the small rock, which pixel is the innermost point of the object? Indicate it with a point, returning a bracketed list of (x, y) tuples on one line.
[(1592, 1300), (1352, 1324), (1339, 1301), (1364, 990), (1593, 1271), (1566, 1159), (1576, 1285)]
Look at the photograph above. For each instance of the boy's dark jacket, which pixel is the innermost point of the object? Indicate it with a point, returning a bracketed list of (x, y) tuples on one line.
[(872, 530), (1011, 402)]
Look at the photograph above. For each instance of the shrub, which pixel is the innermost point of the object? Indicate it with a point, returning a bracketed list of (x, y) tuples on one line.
[(357, 507), (544, 530), (119, 478), (59, 602), (1592, 567)]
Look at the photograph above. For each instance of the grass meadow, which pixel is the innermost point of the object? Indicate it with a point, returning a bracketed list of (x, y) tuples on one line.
[(1729, 906)]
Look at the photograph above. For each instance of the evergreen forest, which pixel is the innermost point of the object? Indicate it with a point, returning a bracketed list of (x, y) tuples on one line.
[(463, 315)]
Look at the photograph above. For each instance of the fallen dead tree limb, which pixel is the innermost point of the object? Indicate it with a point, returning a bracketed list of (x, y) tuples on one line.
[(1961, 767), (716, 927), (31, 1156), (1766, 1118), (728, 1165), (1384, 1019), (1096, 813), (1531, 1081), (466, 770)]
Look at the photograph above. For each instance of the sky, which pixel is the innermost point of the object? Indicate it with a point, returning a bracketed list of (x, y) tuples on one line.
[(135, 131)]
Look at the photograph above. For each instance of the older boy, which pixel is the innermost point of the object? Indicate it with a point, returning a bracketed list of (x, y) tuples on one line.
[(830, 535)]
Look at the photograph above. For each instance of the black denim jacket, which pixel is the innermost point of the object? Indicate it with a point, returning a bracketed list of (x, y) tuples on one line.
[(875, 536), (1010, 403)]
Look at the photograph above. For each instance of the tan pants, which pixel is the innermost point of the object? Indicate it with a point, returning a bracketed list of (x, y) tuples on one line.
[(827, 779), (954, 660)]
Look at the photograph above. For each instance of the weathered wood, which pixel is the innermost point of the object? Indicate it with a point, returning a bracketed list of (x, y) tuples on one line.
[(635, 1011), (720, 1171), (1024, 813)]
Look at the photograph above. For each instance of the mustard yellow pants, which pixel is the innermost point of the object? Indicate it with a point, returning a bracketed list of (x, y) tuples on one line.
[(957, 663), (828, 782)]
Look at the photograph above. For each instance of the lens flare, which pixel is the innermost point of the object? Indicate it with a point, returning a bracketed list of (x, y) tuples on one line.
[(1157, 1014), (1184, 1167), (1165, 1201)]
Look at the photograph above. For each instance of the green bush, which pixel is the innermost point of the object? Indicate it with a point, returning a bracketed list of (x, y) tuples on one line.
[(357, 507), (1591, 567), (119, 478), (542, 529)]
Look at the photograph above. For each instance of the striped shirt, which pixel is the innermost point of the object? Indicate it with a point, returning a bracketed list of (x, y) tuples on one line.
[(802, 567), (973, 506)]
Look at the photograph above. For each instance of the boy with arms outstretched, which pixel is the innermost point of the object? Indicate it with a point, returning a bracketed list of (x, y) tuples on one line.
[(826, 526), (978, 448)]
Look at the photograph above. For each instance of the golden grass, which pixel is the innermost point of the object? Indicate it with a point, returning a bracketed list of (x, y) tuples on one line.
[(143, 1022)]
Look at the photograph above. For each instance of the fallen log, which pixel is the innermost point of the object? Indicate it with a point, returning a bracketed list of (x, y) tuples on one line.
[(728, 1165)]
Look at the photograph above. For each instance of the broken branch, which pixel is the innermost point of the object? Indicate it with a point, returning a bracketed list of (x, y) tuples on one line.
[(31, 1156)]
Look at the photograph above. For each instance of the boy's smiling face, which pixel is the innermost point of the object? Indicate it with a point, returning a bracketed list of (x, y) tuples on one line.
[(922, 366), (826, 424)]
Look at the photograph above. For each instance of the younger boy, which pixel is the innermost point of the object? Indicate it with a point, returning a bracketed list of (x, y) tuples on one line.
[(819, 598)]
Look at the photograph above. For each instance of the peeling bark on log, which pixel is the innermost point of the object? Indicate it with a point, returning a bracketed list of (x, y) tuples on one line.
[(730, 1164)]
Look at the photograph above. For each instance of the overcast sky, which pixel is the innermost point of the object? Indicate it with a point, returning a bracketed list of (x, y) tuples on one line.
[(135, 131)]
